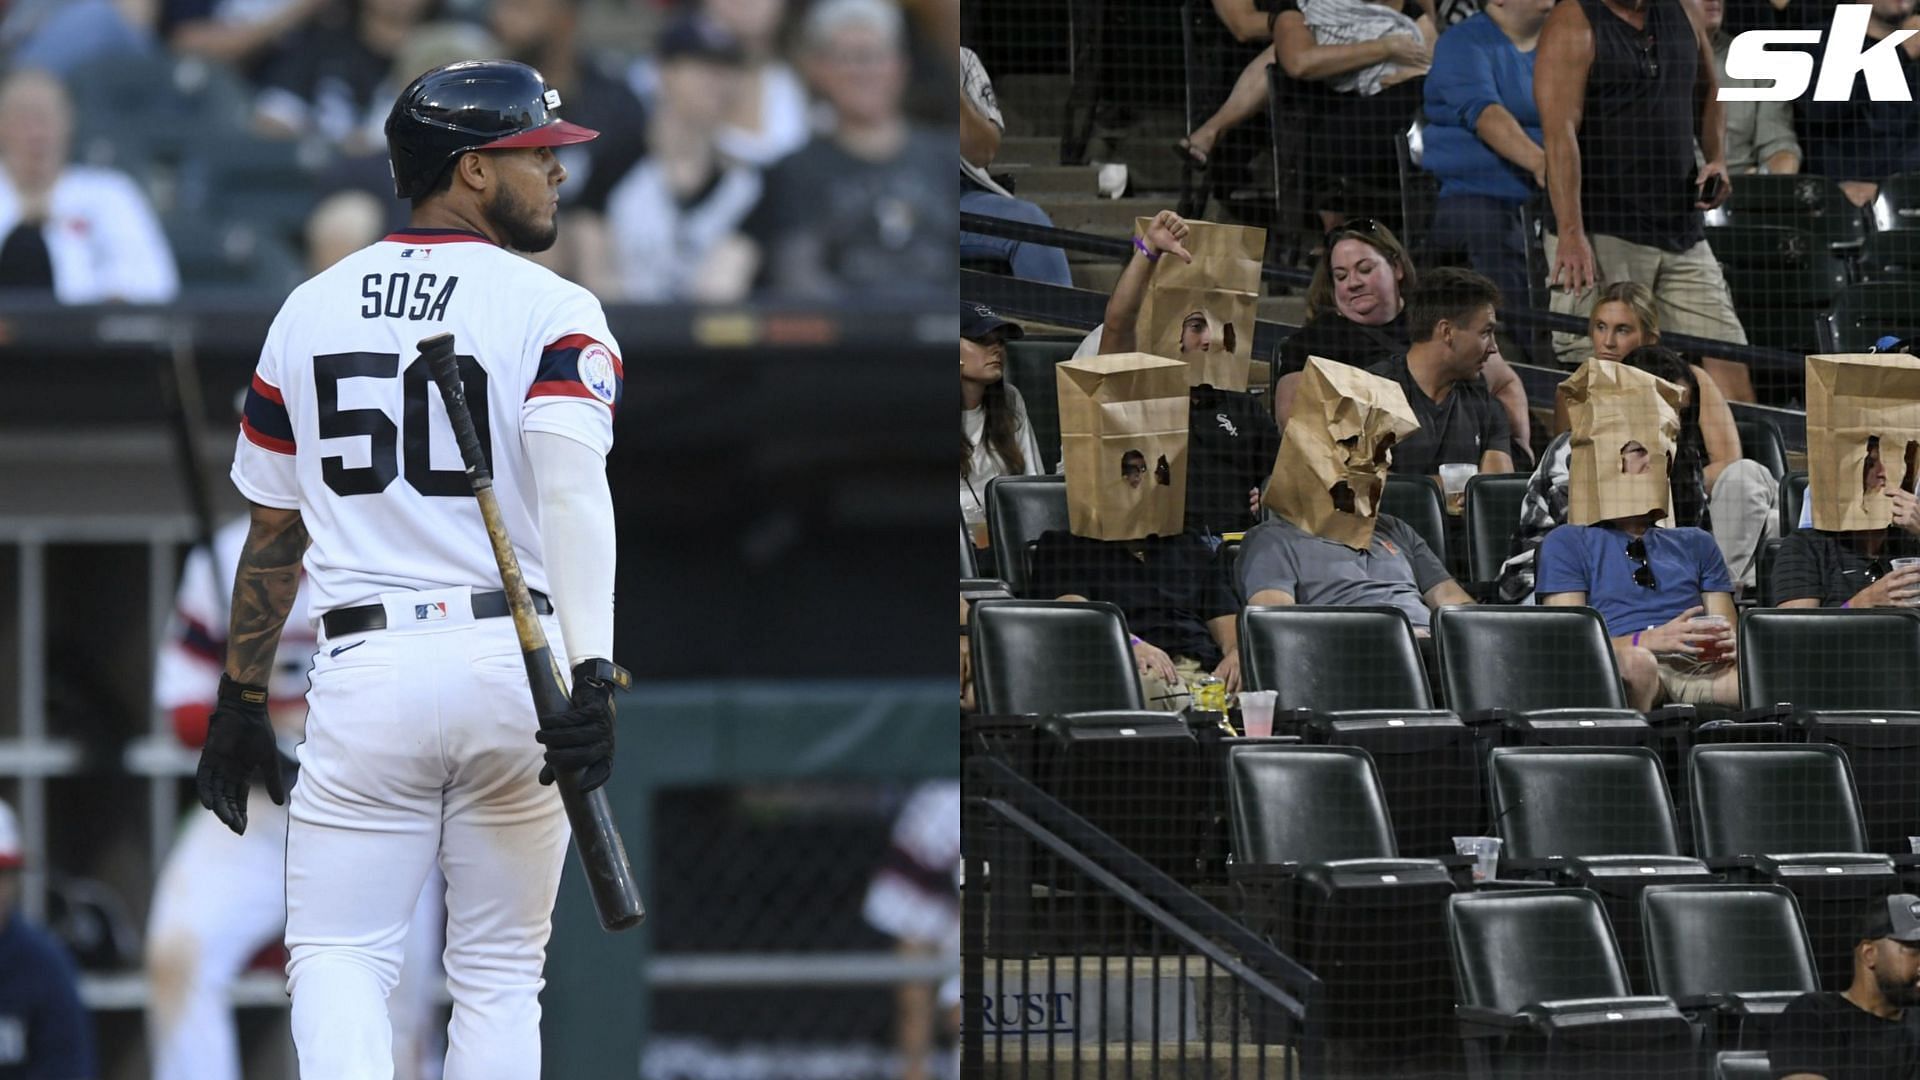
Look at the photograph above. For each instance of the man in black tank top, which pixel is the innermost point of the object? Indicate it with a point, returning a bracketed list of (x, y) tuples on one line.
[(1617, 82)]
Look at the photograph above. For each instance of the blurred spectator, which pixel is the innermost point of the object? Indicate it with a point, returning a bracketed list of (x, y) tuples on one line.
[(1860, 142), (245, 35), (1356, 315), (85, 234), (1231, 436), (995, 437), (915, 899), (871, 206), (980, 128), (674, 221), (1450, 319), (340, 225), (1866, 1032), (544, 35), (61, 35), (769, 120), (1760, 134), (332, 83), (1177, 597), (1816, 568), (44, 1029), (1618, 86), (1483, 139), (1647, 584)]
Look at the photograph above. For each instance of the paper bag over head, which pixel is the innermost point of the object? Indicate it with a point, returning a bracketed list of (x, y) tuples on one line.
[(1334, 457), (1626, 424), (1853, 403), (1216, 292), (1123, 438)]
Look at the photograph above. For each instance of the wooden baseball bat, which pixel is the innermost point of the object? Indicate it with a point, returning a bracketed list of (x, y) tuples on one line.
[(616, 896)]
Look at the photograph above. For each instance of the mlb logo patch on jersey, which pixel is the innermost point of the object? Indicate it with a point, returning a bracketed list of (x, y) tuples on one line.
[(416, 253), (429, 612), (596, 372)]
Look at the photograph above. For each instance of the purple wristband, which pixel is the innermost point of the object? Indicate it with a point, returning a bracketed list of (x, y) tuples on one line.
[(1140, 246), (1636, 638)]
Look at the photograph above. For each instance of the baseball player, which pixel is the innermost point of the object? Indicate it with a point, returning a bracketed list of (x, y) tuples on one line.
[(421, 742), (221, 897)]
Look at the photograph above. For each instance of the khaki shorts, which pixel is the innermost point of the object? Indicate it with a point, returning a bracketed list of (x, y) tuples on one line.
[(1685, 682), (1688, 286)]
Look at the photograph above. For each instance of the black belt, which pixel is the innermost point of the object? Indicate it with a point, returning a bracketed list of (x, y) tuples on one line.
[(358, 620)]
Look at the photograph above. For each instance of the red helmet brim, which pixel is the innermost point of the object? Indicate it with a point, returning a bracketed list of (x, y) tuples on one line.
[(558, 133)]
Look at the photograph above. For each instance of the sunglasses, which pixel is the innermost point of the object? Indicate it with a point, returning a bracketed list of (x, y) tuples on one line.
[(1649, 59), (1361, 227), (1642, 574)]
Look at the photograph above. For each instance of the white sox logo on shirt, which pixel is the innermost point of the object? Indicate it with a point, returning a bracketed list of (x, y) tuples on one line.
[(596, 372)]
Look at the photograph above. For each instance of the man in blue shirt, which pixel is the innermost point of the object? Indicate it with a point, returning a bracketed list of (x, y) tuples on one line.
[(1483, 138), (44, 1030), (1647, 583)]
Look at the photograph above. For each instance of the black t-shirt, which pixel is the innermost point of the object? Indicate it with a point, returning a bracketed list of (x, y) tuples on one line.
[(1337, 338), (600, 100), (1231, 444), (1824, 566), (1825, 1034), (1168, 587), (329, 82), (1454, 431)]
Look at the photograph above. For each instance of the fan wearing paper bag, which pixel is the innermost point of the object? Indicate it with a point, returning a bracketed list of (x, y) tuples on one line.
[(1664, 594), (1863, 454), (1329, 543), (1123, 433)]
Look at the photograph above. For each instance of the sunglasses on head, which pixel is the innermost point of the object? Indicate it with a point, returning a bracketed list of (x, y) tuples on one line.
[(1361, 227), (1642, 574)]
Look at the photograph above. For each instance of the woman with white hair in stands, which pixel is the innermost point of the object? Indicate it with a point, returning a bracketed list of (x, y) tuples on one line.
[(85, 234)]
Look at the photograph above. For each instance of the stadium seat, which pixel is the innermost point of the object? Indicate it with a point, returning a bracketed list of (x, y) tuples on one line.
[(1793, 495), (1760, 439), (1416, 501), (1542, 991), (265, 182), (1862, 314), (1787, 814), (1780, 276), (1733, 955), (1891, 256), (1352, 676), (1763, 572), (1315, 857), (1030, 364), (1597, 817), (1419, 194), (1851, 678), (131, 110), (1492, 515), (968, 567), (231, 257), (1051, 656), (1896, 206), (1535, 675), (1813, 203), (1019, 509), (1742, 1065)]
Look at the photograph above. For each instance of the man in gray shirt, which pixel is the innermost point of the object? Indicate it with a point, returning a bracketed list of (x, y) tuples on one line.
[(1281, 563)]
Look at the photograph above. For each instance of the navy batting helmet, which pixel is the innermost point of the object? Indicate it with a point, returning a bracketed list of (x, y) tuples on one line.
[(471, 105)]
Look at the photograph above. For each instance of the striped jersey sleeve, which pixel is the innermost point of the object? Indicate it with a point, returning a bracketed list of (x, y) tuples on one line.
[(578, 378), (263, 459)]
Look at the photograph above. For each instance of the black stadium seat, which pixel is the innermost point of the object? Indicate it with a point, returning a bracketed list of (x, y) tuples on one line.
[(1542, 991), (1051, 656), (968, 567), (1546, 675), (1353, 676), (1760, 440), (1793, 495), (1492, 515), (1416, 501), (1019, 509), (1736, 954)]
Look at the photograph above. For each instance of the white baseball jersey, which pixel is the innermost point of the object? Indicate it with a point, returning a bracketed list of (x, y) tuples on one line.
[(344, 423)]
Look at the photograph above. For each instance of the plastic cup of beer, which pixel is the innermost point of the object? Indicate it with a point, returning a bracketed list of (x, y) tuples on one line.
[(1710, 653), (1256, 712), (1453, 480), (1485, 851)]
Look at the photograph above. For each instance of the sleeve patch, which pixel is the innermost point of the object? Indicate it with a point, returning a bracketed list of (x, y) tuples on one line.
[(264, 418), (579, 366)]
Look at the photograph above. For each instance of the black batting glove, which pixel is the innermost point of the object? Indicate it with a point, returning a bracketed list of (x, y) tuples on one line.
[(582, 737), (240, 748)]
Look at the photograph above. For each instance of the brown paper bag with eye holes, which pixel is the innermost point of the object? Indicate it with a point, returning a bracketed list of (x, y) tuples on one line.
[(1333, 461), (1222, 285), (1850, 399), (1611, 405), (1225, 361), (1123, 439)]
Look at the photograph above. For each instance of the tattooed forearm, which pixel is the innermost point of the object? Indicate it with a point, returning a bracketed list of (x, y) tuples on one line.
[(263, 592)]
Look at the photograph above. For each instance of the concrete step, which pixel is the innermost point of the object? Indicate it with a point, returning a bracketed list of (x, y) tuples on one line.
[(1169, 1060), (1028, 150), (1036, 182), (1032, 104), (1106, 217), (1291, 310), (1098, 276)]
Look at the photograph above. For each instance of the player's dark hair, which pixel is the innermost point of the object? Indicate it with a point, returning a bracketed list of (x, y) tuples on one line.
[(441, 184), (1448, 293)]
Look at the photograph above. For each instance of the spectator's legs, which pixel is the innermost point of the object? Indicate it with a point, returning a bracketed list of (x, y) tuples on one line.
[(1744, 516), (1032, 262), (1488, 230), (1694, 299), (1247, 100), (1640, 673), (1614, 260)]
